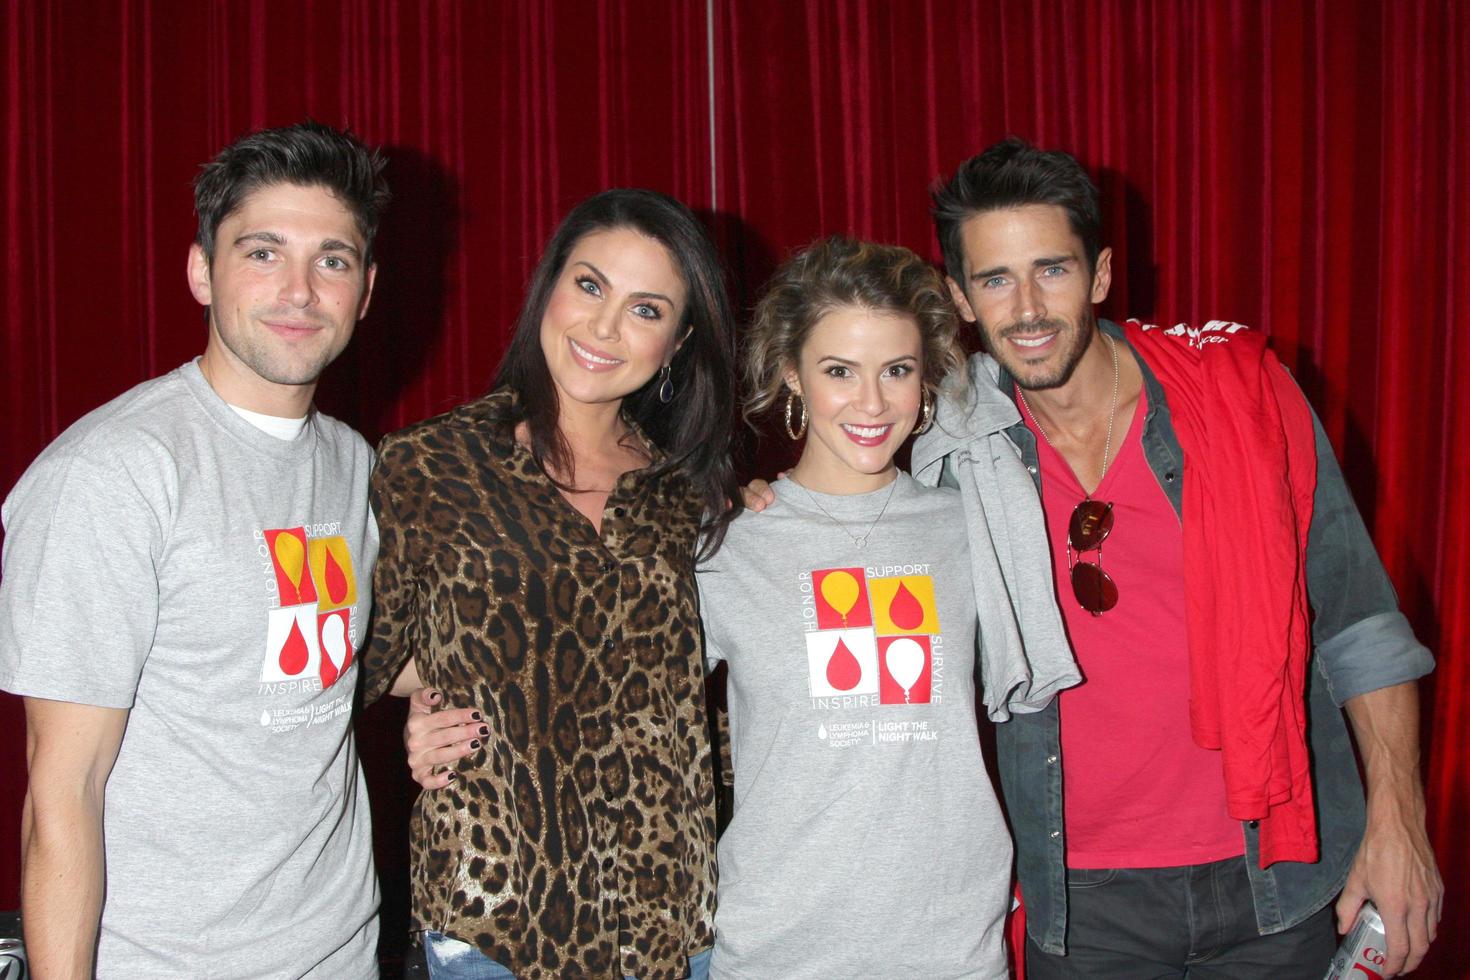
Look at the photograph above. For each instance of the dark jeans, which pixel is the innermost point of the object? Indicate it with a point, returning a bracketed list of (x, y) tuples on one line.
[(1196, 921)]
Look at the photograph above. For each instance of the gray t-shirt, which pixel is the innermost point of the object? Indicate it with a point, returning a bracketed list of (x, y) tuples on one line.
[(866, 840), (166, 556)]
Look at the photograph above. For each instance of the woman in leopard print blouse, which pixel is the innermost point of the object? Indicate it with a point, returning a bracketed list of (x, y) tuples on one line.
[(537, 567)]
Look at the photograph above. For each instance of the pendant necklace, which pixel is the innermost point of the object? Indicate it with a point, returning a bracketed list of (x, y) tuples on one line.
[(1112, 413), (861, 540)]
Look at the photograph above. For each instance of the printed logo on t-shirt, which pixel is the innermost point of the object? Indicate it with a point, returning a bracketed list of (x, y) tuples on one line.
[(310, 635), (872, 637)]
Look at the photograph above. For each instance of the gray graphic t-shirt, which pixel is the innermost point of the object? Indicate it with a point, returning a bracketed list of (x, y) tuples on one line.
[(166, 556), (866, 841)]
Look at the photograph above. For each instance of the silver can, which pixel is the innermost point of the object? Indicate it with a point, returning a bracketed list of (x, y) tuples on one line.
[(13, 960), (1361, 955)]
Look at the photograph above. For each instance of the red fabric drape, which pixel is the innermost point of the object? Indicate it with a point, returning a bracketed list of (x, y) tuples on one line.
[(1299, 166)]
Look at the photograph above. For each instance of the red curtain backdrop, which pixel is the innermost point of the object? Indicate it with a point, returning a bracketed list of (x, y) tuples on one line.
[(1298, 166)]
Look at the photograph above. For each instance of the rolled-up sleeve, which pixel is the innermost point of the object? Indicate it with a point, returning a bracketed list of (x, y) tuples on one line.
[(1363, 642), (1373, 653)]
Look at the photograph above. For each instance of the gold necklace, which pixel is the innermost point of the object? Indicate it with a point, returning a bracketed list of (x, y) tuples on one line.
[(1112, 413)]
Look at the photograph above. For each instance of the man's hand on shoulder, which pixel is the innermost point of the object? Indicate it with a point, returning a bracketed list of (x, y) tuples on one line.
[(758, 495)]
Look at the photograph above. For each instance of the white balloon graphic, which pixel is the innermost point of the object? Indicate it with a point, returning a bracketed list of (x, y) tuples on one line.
[(905, 661), (334, 639)]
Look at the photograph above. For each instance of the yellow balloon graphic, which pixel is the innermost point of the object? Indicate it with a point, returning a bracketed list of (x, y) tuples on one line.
[(291, 556), (840, 590)]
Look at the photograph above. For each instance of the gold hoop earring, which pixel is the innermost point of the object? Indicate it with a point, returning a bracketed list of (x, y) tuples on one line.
[(926, 413), (797, 433)]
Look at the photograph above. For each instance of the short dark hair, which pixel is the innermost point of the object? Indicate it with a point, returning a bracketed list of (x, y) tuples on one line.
[(832, 274), (694, 429), (308, 154), (1013, 174)]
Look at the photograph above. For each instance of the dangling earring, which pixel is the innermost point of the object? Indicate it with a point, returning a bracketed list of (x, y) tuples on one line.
[(665, 384), (926, 413), (797, 433)]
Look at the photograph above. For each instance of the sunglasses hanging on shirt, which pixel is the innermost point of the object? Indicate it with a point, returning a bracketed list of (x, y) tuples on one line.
[(1092, 520), (1093, 588)]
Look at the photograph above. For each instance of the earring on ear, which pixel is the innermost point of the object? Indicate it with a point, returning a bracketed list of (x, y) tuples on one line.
[(799, 432), (665, 384), (926, 413)]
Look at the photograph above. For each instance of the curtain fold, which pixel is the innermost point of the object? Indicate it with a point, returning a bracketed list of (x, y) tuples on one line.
[(1299, 166)]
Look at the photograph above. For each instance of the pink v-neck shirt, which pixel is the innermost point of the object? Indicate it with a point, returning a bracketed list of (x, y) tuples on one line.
[(1138, 793)]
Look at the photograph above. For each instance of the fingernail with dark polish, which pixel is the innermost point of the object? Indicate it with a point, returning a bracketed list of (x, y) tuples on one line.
[(474, 743), (476, 717), (484, 730), (453, 776)]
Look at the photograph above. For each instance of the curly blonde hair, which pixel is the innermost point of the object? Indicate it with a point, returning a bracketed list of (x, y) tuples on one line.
[(839, 272)]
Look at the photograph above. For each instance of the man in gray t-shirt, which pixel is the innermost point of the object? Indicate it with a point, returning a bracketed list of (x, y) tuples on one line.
[(185, 583)]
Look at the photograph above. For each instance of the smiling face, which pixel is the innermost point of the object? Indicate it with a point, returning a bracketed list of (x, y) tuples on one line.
[(612, 317), (1028, 288), (859, 373), (285, 288)]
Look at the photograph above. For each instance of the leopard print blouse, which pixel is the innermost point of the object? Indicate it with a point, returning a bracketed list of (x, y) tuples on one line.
[(579, 839)]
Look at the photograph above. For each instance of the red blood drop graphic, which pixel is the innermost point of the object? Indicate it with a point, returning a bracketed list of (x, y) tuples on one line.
[(336, 581), (294, 652), (843, 670), (905, 610), (328, 671)]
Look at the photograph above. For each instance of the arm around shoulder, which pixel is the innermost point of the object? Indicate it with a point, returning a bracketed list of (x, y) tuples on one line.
[(70, 751)]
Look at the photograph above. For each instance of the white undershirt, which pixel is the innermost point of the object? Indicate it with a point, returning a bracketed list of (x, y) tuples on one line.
[(272, 425)]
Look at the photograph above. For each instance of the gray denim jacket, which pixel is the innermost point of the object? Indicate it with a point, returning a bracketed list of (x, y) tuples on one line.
[(1362, 643)]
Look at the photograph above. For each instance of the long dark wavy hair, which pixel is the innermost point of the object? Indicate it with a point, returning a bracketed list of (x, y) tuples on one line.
[(694, 429)]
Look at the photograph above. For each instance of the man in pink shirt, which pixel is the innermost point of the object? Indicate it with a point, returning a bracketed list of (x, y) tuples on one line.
[(1150, 840)]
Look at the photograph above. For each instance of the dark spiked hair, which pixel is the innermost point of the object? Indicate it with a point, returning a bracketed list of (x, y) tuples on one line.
[(307, 154), (1013, 174), (694, 429)]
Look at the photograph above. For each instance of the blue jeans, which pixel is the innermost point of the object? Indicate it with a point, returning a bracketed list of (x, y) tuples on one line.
[(450, 959), (1197, 921)]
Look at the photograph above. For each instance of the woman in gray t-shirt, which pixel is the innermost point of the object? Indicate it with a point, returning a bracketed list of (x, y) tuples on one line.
[(866, 840)]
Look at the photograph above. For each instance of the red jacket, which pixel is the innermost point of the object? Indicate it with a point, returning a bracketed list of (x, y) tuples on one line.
[(1250, 470)]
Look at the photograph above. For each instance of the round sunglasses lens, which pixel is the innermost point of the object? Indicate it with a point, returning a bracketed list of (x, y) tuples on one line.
[(1091, 523), (1095, 590)]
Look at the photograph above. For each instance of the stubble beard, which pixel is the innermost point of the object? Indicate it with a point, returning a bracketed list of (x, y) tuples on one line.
[(1075, 336), (269, 358)]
